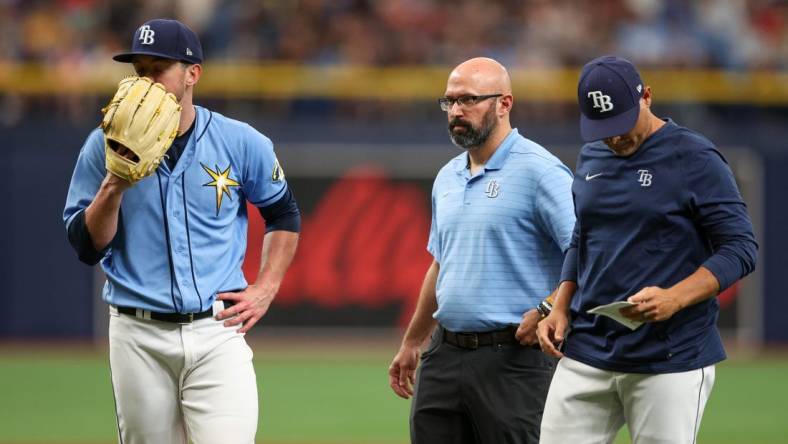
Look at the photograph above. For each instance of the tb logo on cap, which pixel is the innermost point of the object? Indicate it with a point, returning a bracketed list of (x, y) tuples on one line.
[(146, 35), (601, 101)]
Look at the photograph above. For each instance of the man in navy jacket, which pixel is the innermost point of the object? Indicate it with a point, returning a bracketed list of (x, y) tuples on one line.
[(660, 224)]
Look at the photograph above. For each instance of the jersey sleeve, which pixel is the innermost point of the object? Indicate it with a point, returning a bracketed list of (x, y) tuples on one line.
[(554, 205), (721, 214), (87, 176), (85, 182), (264, 181)]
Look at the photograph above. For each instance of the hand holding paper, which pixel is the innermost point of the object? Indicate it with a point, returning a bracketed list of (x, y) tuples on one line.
[(612, 311)]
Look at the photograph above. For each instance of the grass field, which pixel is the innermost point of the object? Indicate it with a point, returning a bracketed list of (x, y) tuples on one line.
[(320, 392)]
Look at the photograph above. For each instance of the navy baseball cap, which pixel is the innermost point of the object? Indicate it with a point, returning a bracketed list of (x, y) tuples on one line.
[(169, 39), (609, 93)]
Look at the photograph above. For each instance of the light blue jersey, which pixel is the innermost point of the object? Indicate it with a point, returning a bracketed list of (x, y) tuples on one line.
[(182, 234), (499, 236)]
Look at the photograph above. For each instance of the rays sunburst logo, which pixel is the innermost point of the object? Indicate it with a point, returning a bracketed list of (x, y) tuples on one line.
[(221, 182)]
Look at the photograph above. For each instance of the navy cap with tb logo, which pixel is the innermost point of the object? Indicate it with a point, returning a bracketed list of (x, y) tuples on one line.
[(608, 93), (169, 39)]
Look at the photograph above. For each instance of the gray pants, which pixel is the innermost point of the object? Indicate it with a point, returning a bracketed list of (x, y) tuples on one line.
[(493, 394)]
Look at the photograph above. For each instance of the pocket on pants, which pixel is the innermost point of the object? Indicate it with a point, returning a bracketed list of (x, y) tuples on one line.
[(435, 342)]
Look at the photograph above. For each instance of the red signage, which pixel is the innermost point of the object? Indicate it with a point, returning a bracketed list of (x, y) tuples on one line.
[(364, 244)]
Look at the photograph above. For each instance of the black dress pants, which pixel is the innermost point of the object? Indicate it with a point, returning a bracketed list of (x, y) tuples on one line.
[(492, 394)]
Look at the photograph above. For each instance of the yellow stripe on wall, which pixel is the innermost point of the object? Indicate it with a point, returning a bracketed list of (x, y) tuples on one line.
[(290, 81)]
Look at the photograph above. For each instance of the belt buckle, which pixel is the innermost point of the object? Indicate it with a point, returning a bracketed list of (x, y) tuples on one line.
[(471, 340), (188, 321)]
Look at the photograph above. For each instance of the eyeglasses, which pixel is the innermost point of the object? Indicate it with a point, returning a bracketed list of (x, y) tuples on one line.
[(464, 101)]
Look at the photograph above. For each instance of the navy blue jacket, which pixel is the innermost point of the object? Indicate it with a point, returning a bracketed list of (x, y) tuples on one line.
[(651, 219)]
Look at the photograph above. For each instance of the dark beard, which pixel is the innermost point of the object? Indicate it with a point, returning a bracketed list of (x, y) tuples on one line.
[(473, 138)]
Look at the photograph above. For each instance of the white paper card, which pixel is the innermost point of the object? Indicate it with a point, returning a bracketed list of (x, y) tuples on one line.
[(611, 311)]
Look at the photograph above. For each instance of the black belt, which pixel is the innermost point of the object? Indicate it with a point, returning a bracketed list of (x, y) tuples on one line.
[(472, 341), (176, 318)]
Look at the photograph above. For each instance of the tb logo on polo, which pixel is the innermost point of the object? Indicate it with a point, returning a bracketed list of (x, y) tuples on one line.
[(492, 189), (645, 178), (146, 35), (601, 101)]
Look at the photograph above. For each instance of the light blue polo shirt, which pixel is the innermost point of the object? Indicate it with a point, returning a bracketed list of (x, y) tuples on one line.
[(499, 236)]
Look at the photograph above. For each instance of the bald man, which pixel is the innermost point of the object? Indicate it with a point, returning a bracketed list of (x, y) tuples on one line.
[(502, 218)]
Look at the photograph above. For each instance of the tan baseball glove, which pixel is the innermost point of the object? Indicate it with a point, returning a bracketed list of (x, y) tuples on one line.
[(141, 122)]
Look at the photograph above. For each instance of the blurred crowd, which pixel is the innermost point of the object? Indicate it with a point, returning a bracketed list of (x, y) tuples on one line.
[(731, 34)]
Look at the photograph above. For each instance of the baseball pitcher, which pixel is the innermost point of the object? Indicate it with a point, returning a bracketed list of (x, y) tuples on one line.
[(158, 198)]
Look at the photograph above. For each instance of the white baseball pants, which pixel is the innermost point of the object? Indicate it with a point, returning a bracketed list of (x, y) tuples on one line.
[(175, 383), (589, 405)]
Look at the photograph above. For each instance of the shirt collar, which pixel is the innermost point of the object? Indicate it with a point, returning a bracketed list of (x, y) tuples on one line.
[(502, 152), (496, 161)]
